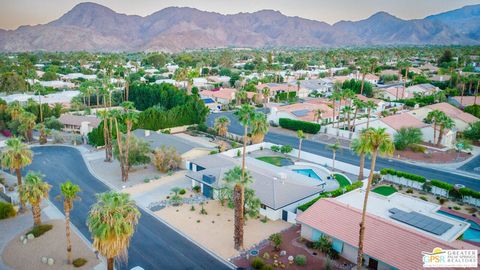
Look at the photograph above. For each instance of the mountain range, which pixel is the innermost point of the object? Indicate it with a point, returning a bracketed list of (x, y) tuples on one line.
[(93, 27)]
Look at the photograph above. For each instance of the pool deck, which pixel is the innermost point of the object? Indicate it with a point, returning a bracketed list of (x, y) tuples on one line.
[(455, 213)]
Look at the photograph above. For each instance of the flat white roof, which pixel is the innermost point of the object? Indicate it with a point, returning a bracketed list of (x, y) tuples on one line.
[(380, 205)]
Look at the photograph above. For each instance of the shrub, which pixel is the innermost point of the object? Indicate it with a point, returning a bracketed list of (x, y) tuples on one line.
[(192, 208), (409, 190), (79, 262), (267, 267), (182, 191), (40, 229), (300, 260), (457, 208), (307, 127), (197, 188), (441, 185), (7, 210), (285, 149), (276, 240), (424, 198), (166, 159), (418, 148), (266, 256), (257, 263), (275, 148), (442, 200)]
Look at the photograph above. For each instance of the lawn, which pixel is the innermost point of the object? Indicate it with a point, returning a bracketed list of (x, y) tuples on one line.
[(276, 160), (385, 190), (342, 180)]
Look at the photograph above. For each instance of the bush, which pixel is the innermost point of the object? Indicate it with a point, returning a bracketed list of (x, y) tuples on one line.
[(197, 189), (7, 210), (441, 185), (276, 240), (79, 262), (307, 127), (257, 263), (285, 149), (40, 229), (300, 260), (457, 208), (409, 190), (275, 148), (167, 159), (424, 198), (442, 200), (267, 267)]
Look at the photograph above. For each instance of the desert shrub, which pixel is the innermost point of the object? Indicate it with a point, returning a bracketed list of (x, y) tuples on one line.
[(40, 229), (300, 260), (418, 148), (409, 190), (442, 200), (79, 262), (182, 191), (166, 159), (197, 188), (307, 127), (267, 267), (7, 210), (457, 208), (257, 263), (276, 240), (285, 149), (424, 198), (266, 256), (275, 148)]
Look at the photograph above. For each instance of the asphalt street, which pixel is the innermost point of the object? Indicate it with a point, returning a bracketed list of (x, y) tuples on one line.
[(153, 246), (348, 156)]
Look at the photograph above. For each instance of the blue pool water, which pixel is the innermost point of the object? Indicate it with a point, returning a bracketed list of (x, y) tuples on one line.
[(472, 233), (208, 100), (308, 172)]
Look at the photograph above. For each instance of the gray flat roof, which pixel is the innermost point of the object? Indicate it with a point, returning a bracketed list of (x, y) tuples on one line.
[(156, 140)]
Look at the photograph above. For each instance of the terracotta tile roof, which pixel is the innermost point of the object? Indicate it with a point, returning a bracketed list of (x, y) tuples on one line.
[(466, 100), (453, 112), (223, 93), (386, 241), (310, 108), (398, 121), (393, 91), (275, 87), (365, 99)]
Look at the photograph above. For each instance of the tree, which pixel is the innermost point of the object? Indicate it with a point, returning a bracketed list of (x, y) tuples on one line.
[(16, 156), (334, 148), (27, 123), (370, 106), (359, 105), (259, 127), (473, 131), (239, 179), (43, 133), (266, 94), (138, 153), (276, 240), (244, 115), (112, 221), (406, 137), (131, 117), (115, 114), (334, 97), (445, 123), (105, 116), (434, 117), (300, 137), (359, 146), (167, 158), (14, 109), (33, 191), (69, 192), (318, 115), (12, 82), (378, 142), (221, 125)]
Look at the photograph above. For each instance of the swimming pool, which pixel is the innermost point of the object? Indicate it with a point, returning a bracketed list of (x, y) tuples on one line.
[(307, 172), (472, 233)]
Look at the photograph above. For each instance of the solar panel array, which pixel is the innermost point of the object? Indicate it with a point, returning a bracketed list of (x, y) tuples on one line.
[(421, 221), (300, 112)]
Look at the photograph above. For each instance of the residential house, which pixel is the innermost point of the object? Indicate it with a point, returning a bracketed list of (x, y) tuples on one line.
[(394, 93), (387, 244), (461, 119), (440, 78), (73, 76), (80, 124), (395, 122), (464, 101), (306, 111), (428, 67), (280, 190), (223, 95), (323, 85), (381, 104), (422, 89), (276, 88)]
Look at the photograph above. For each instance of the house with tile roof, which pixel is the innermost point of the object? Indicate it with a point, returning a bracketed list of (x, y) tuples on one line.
[(387, 244), (461, 119), (305, 111), (462, 102)]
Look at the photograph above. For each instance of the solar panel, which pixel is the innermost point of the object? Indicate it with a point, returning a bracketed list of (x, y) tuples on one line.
[(300, 112), (420, 221)]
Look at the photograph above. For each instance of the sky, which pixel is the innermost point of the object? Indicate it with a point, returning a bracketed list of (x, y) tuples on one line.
[(14, 13)]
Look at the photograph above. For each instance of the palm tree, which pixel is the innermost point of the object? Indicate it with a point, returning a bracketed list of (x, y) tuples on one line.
[(112, 221), (131, 117), (266, 94), (240, 96), (259, 127), (359, 146), (359, 105), (377, 141), (69, 193), (334, 147), (16, 156), (221, 125), (39, 89), (27, 123), (244, 115), (14, 109), (445, 123), (105, 115), (370, 105), (234, 176), (300, 136), (434, 117), (334, 97), (318, 115), (364, 68), (33, 191)]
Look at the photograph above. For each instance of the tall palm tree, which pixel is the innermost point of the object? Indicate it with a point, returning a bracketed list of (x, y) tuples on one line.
[(16, 156), (39, 89), (334, 97), (445, 123), (300, 137), (112, 221), (364, 68), (266, 94), (14, 109), (131, 117), (318, 115), (234, 176), (221, 125), (359, 105), (370, 106), (434, 117), (378, 142), (259, 127), (244, 115), (240, 96), (33, 191), (69, 193), (105, 115), (359, 146), (27, 123), (334, 148)]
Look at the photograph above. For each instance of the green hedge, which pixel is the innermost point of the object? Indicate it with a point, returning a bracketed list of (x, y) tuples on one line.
[(6, 210), (332, 194), (409, 176), (307, 127), (441, 184), (470, 193)]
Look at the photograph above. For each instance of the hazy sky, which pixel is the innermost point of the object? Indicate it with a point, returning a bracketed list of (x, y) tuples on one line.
[(14, 13)]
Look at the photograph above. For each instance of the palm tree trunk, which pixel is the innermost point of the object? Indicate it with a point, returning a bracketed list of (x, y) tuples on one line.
[(354, 119), (36, 215), (89, 97), (110, 263), (434, 131), (67, 232), (299, 148), (362, 165), (127, 86), (333, 160), (19, 183), (239, 218), (463, 92), (127, 148), (364, 211), (476, 93), (105, 138), (98, 100), (41, 110), (363, 83), (120, 150), (333, 106), (440, 135), (368, 116)]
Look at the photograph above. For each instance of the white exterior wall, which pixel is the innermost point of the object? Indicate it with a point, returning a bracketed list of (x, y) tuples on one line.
[(349, 252), (306, 232), (271, 214)]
